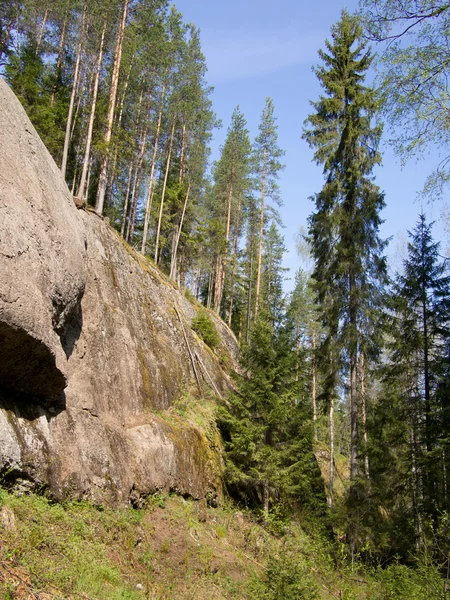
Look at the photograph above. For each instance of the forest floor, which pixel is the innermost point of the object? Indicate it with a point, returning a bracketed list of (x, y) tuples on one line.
[(173, 548)]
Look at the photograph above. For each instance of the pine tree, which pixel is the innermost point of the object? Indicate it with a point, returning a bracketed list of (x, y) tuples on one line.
[(348, 253), (231, 186), (267, 167)]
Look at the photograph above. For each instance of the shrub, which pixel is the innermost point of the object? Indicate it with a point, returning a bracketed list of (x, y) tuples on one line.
[(202, 324), (286, 578)]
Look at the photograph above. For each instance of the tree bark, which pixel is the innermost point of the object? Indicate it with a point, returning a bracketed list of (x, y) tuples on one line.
[(112, 105), (261, 233), (60, 58), (41, 32), (362, 377), (148, 201), (127, 199), (81, 188), (163, 193), (76, 72), (353, 357), (234, 259), (173, 262), (314, 383), (331, 482)]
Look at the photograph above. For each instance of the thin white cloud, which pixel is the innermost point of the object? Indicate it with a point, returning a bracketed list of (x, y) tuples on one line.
[(238, 55)]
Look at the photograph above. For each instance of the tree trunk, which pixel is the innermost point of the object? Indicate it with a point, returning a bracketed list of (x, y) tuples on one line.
[(41, 32), (81, 189), (182, 153), (233, 268), (331, 482), (173, 262), (364, 420), (112, 105), (148, 201), (163, 193), (261, 233), (314, 383), (76, 72), (127, 199), (125, 218), (60, 59), (353, 359), (223, 269), (116, 150)]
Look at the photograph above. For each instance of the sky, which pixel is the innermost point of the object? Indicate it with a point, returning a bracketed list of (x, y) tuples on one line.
[(260, 48)]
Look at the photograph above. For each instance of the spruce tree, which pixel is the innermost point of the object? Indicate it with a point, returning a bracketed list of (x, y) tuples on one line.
[(348, 253), (419, 357)]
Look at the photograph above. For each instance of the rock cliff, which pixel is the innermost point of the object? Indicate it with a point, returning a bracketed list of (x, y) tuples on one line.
[(92, 347)]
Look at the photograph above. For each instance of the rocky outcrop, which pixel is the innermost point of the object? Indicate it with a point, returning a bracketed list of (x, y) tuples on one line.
[(92, 349), (43, 259)]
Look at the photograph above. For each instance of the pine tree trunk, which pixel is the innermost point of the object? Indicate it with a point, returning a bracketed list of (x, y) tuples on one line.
[(81, 188), (68, 135), (163, 193), (234, 259), (173, 261), (137, 179), (127, 199), (41, 32), (224, 261), (112, 105), (60, 59), (116, 149), (182, 153), (249, 297), (148, 201), (261, 233)]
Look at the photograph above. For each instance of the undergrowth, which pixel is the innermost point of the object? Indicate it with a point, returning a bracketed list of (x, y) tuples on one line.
[(175, 548)]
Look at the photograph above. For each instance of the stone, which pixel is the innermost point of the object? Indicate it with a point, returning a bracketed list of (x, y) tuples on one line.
[(94, 350), (42, 260)]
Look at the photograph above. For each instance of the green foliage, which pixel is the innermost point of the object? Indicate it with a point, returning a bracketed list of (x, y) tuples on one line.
[(267, 429), (204, 326), (413, 69), (287, 578), (350, 269)]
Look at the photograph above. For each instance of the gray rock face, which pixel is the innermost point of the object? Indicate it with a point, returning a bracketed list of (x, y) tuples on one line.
[(42, 259), (90, 345)]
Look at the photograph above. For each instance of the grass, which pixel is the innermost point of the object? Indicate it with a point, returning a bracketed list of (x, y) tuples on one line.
[(180, 549)]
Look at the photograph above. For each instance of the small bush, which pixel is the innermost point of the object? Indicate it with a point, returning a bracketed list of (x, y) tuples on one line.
[(202, 325), (286, 578)]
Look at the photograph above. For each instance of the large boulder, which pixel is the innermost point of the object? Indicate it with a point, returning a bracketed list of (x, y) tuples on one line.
[(42, 260), (86, 319)]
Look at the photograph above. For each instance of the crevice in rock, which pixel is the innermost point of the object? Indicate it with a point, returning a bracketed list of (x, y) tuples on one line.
[(68, 324)]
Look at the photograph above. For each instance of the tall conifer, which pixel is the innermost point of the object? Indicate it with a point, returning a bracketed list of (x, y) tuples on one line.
[(349, 263)]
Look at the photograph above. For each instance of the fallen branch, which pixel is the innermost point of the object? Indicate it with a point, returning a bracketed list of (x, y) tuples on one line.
[(187, 345), (208, 375)]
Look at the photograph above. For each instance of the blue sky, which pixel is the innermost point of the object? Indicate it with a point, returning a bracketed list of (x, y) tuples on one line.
[(260, 48)]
